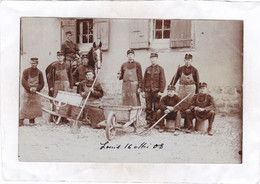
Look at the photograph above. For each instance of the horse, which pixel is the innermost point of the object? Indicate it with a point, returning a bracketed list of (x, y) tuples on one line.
[(95, 56)]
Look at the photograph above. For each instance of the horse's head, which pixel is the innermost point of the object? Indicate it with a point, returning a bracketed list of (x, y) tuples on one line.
[(97, 55)]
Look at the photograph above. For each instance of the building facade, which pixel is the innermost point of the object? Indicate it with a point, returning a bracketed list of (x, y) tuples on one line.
[(216, 46)]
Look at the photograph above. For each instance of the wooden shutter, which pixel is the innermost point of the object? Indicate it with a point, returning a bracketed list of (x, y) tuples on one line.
[(68, 25), (180, 33), (139, 34), (101, 32)]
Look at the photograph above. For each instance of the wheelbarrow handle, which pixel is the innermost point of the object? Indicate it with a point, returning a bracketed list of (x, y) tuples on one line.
[(62, 104)]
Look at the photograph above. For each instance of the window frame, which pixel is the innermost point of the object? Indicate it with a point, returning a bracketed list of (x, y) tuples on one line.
[(164, 44), (80, 34), (161, 30)]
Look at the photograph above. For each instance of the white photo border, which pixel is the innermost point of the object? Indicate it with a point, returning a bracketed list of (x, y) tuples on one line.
[(12, 11)]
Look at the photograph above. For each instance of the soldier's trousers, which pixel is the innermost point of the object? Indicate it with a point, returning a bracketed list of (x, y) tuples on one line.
[(152, 100), (210, 115)]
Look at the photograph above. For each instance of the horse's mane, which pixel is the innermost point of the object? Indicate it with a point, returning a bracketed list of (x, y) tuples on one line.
[(90, 57)]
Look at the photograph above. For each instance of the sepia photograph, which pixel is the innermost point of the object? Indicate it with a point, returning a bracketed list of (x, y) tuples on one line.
[(107, 90)]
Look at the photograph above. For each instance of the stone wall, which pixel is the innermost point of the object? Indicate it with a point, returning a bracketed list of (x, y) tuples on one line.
[(228, 99)]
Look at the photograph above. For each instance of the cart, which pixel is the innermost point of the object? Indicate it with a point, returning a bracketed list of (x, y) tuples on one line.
[(117, 116), (120, 117), (62, 103)]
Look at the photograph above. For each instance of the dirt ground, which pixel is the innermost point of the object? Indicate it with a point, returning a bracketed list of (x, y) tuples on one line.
[(48, 142)]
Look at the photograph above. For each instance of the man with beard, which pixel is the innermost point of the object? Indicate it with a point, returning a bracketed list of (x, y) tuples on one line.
[(32, 81)]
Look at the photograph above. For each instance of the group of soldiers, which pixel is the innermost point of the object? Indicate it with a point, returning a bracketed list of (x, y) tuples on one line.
[(198, 104), (60, 76)]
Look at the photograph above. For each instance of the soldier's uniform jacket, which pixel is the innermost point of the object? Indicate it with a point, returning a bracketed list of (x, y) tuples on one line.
[(187, 71), (32, 72), (154, 79), (80, 73), (60, 67), (69, 48), (169, 101), (137, 66), (86, 85), (205, 101)]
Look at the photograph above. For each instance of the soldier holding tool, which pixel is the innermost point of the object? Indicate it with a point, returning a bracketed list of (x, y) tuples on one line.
[(92, 109), (166, 106)]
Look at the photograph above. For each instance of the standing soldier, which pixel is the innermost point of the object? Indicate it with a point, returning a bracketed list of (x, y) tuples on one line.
[(202, 108), (69, 48), (80, 73), (154, 85), (189, 82), (61, 77), (32, 81), (131, 73)]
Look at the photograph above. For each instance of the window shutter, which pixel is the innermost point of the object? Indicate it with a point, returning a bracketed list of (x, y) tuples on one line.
[(180, 33), (68, 25), (101, 32), (139, 34)]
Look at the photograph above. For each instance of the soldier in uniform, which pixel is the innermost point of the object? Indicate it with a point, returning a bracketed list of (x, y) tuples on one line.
[(153, 87), (167, 107), (188, 77), (69, 48), (61, 78), (131, 74), (202, 108), (92, 110), (80, 73), (32, 81)]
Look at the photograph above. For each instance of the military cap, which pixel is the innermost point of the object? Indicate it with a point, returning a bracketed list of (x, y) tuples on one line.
[(153, 55), (84, 54), (202, 84), (188, 56), (68, 32), (89, 70), (171, 87), (130, 51), (34, 60), (60, 53)]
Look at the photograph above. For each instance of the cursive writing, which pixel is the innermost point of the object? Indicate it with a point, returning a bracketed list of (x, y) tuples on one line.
[(128, 146)]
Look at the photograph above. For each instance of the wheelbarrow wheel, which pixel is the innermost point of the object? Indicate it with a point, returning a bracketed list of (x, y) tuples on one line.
[(110, 127)]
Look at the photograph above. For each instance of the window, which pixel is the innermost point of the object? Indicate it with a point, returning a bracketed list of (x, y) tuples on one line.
[(85, 31), (161, 29)]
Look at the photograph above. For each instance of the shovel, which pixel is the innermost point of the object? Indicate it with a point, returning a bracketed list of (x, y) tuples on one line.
[(145, 131), (75, 126)]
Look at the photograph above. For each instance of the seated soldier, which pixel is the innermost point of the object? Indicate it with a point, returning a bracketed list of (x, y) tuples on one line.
[(92, 110), (202, 108), (166, 106)]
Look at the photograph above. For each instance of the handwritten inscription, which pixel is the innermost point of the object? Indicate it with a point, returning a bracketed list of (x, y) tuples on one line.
[(143, 145)]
